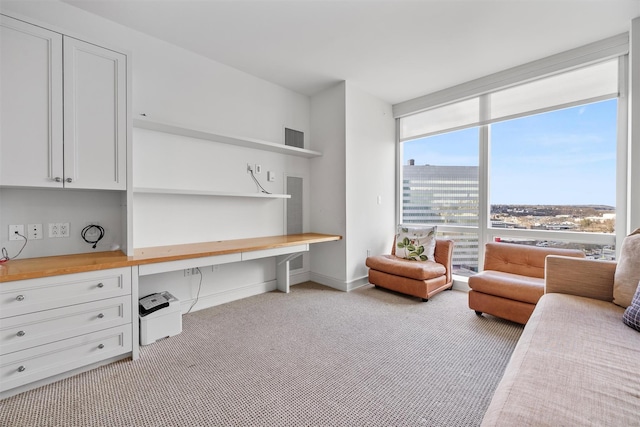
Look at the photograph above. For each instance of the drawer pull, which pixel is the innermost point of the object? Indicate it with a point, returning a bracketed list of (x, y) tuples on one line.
[(101, 346), (20, 298), (100, 285), (100, 316), (20, 333), (21, 368)]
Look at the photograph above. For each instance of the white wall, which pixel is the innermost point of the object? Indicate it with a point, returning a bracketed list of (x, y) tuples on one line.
[(77, 207), (370, 174), (328, 183), (357, 133)]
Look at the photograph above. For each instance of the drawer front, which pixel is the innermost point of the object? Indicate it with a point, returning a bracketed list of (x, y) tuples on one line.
[(23, 367), (28, 296), (30, 330)]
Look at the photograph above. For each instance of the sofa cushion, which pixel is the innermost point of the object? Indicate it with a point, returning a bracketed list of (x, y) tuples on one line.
[(575, 364), (415, 243), (406, 268), (508, 285), (627, 274), (631, 315)]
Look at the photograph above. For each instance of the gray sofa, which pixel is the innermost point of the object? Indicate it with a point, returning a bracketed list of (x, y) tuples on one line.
[(576, 362)]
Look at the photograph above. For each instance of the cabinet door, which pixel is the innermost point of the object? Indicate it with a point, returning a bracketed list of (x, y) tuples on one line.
[(95, 147), (30, 105)]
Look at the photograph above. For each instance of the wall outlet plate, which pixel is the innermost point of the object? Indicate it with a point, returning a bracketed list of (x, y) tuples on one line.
[(34, 231), (13, 229)]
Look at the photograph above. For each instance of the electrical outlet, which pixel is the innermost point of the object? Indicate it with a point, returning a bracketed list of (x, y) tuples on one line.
[(59, 229), (34, 231), (271, 176), (190, 271), (258, 168), (15, 231), (249, 168)]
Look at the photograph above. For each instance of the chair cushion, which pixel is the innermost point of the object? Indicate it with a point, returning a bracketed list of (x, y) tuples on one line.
[(419, 270), (415, 242), (627, 273), (508, 285)]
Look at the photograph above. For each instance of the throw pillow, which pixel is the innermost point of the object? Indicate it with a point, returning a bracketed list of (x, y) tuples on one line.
[(416, 243), (627, 272), (631, 316)]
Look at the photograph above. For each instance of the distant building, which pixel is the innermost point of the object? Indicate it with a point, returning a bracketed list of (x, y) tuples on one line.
[(444, 195)]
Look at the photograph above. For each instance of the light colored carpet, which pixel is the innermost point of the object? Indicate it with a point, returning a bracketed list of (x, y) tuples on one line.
[(314, 357)]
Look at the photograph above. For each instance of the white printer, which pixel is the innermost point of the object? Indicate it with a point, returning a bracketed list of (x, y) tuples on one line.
[(160, 317)]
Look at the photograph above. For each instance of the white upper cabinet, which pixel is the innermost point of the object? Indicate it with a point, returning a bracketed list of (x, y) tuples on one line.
[(95, 117), (36, 64), (31, 105)]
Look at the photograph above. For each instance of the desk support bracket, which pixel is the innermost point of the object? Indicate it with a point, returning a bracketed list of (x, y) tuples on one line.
[(283, 280)]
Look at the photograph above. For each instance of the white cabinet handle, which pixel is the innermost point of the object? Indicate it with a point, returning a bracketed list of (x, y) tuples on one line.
[(69, 180), (100, 316), (57, 179), (101, 346), (21, 368), (20, 298), (100, 285), (20, 333)]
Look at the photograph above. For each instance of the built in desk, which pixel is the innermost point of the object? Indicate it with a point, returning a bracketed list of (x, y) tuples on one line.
[(161, 259)]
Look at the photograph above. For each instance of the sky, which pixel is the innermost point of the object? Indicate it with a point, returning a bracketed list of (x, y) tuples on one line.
[(563, 157)]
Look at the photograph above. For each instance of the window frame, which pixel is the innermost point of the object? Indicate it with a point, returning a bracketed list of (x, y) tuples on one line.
[(485, 232)]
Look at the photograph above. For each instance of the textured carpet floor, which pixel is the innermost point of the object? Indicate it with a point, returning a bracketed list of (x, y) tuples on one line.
[(314, 357)]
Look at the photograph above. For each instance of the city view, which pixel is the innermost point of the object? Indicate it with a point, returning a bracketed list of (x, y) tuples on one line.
[(553, 173), (448, 195)]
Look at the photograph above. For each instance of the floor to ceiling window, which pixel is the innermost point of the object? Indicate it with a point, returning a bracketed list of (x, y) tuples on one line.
[(533, 164)]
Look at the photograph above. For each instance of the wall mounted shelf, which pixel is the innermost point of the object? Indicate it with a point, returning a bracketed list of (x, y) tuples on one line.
[(148, 190), (174, 129)]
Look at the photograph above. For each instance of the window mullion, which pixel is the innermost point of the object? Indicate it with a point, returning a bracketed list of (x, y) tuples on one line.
[(483, 178)]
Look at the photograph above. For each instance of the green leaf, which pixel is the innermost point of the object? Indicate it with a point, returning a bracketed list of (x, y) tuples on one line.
[(411, 248), (423, 257), (420, 250)]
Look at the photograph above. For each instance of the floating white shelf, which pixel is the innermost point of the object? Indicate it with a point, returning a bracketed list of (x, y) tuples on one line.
[(174, 129), (147, 190)]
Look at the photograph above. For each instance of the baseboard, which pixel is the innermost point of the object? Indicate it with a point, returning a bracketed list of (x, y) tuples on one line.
[(358, 283), (296, 278), (340, 285), (224, 297)]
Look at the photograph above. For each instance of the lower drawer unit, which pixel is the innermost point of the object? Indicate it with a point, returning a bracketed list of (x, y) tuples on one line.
[(27, 296), (26, 366), (30, 330)]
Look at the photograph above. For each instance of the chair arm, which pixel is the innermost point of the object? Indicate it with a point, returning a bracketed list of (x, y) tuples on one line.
[(579, 276), (444, 255)]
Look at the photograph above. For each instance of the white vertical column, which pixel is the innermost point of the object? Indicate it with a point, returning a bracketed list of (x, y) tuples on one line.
[(633, 174)]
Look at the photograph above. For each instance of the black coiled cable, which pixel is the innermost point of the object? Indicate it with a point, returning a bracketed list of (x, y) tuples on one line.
[(86, 230)]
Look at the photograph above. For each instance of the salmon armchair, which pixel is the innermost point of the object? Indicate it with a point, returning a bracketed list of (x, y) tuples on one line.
[(512, 280), (422, 279)]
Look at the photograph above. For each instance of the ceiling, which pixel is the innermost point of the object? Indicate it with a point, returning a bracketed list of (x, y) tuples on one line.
[(395, 50)]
